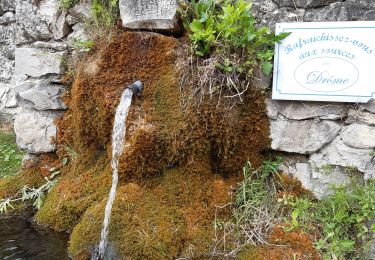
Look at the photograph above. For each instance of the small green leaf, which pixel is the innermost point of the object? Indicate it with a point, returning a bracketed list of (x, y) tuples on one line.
[(65, 160), (347, 243), (196, 26), (267, 67)]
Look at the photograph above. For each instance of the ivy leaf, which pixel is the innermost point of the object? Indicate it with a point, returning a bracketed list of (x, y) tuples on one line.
[(347, 243), (267, 67), (196, 26)]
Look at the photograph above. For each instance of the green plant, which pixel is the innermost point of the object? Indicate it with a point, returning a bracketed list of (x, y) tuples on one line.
[(10, 155), (255, 208), (67, 4), (104, 12), (83, 45), (341, 219), (227, 31), (36, 195)]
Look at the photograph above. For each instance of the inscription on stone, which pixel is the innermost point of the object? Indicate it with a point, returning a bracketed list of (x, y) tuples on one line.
[(149, 14)]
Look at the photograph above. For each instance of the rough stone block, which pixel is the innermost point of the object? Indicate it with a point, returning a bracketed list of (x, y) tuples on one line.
[(369, 106), (7, 18), (359, 136), (7, 5), (7, 68), (35, 132), (303, 174), (36, 63), (338, 153), (59, 26), (303, 3), (322, 181), (361, 117), (297, 110), (361, 10), (303, 137), (40, 20), (149, 14), (42, 96), (80, 11)]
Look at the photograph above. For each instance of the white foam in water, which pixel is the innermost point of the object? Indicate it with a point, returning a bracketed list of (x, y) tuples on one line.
[(118, 138)]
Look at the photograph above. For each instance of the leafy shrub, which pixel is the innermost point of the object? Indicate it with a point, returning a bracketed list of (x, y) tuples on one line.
[(35, 195), (225, 33), (255, 209), (342, 220), (10, 155), (105, 12)]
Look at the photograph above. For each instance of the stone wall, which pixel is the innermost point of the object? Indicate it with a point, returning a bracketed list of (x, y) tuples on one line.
[(36, 38), (323, 143)]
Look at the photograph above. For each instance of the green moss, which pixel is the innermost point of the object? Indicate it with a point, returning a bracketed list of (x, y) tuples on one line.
[(73, 194), (164, 218), (10, 155)]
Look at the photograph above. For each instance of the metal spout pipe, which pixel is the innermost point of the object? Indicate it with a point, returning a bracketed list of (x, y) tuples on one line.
[(136, 87)]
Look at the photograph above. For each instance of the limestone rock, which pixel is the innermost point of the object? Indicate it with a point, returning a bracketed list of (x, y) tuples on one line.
[(149, 14), (7, 18), (281, 15), (78, 34), (7, 68), (303, 3), (33, 20), (80, 11), (319, 180), (35, 62), (359, 136), (323, 180), (4, 92), (35, 132), (272, 109), (58, 46), (343, 11), (59, 26), (7, 5), (303, 174), (40, 20), (7, 43), (304, 137), (42, 96), (370, 106), (297, 110), (338, 153), (361, 117)]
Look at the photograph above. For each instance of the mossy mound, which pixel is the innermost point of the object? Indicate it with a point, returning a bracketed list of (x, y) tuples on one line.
[(73, 194), (283, 245), (181, 157), (167, 217)]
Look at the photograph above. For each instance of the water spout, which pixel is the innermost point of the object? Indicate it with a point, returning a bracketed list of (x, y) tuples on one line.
[(136, 87), (118, 139)]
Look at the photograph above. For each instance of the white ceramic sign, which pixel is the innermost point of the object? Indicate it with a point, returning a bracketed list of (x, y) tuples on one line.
[(332, 61)]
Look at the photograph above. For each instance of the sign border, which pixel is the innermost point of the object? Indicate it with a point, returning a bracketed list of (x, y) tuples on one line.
[(287, 27)]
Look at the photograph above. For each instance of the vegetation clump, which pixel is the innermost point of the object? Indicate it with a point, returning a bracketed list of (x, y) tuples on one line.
[(271, 209), (341, 220), (10, 155), (228, 46)]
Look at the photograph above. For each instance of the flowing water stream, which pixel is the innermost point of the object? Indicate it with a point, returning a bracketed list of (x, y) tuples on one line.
[(118, 138), (21, 239)]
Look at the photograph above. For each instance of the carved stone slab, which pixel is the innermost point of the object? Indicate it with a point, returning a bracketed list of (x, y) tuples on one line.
[(149, 14)]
